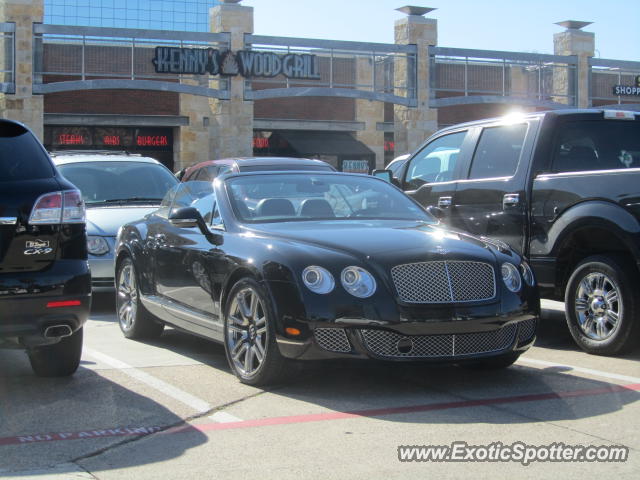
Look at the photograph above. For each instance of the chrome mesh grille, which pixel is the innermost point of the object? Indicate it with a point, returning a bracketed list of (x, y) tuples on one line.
[(444, 281), (332, 339), (526, 330), (384, 343)]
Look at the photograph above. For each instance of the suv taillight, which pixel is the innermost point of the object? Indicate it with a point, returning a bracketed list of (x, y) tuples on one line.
[(57, 208)]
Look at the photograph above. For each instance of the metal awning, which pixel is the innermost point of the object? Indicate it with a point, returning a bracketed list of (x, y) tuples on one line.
[(341, 144)]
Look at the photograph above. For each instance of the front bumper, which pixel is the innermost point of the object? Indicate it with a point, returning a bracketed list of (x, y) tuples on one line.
[(29, 302), (102, 272), (378, 343)]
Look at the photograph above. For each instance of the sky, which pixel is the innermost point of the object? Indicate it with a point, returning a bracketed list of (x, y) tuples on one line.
[(512, 25)]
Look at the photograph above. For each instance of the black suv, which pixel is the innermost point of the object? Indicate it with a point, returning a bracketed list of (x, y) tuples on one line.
[(563, 189), (45, 284)]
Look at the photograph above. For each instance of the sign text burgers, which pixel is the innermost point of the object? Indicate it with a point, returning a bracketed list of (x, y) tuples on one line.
[(248, 63)]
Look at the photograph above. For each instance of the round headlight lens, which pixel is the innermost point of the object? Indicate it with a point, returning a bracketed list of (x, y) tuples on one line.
[(511, 277), (318, 279), (527, 274), (358, 282), (97, 245)]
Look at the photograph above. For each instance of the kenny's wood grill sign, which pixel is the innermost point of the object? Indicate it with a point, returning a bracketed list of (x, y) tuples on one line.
[(247, 63)]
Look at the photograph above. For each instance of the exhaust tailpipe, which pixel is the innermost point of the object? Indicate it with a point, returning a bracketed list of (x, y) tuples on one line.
[(58, 331)]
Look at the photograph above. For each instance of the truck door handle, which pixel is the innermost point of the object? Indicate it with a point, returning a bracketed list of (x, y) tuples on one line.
[(444, 202), (510, 200)]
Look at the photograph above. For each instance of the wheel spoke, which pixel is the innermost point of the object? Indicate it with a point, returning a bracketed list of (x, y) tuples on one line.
[(254, 305), (612, 317), (588, 324), (248, 360), (611, 297), (242, 305), (238, 350), (123, 310), (582, 305), (585, 284), (259, 350), (236, 329), (600, 280), (600, 329)]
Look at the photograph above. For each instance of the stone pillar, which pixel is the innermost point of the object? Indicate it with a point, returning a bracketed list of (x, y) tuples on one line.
[(370, 112), (23, 106), (574, 41), (414, 124), (232, 120)]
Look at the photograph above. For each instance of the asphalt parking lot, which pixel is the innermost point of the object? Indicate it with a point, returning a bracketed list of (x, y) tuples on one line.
[(171, 409)]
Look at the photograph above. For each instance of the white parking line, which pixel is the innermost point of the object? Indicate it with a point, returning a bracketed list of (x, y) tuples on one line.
[(224, 417), (199, 405), (595, 373)]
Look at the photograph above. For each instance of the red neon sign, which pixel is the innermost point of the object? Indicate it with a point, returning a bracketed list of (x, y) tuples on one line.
[(152, 140), (389, 146), (112, 140), (260, 142), (70, 139)]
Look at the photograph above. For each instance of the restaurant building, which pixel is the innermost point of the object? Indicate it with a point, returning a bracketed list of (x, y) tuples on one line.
[(183, 91)]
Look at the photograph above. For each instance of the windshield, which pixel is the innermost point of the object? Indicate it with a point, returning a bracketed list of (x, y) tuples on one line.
[(296, 197), (118, 182)]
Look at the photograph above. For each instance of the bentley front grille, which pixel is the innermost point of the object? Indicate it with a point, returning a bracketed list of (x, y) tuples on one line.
[(384, 343), (526, 330), (444, 281), (333, 339)]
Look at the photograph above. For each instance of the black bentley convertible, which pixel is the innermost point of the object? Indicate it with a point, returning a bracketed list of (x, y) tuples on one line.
[(295, 266)]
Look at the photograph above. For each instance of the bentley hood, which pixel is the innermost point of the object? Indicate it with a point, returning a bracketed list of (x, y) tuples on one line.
[(385, 241)]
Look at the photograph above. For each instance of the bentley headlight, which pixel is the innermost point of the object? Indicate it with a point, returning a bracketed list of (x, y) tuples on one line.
[(97, 245), (511, 277), (527, 274), (358, 282), (318, 279)]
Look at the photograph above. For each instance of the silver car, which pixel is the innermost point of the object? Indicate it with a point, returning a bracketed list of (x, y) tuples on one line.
[(117, 188)]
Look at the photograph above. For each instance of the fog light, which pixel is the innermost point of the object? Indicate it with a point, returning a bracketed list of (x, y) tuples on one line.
[(292, 331)]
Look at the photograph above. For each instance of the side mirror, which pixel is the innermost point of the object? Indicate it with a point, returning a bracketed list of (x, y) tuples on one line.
[(436, 212), (387, 176), (185, 217), (189, 217)]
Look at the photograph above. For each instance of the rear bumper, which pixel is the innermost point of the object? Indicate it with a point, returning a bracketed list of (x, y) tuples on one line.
[(31, 302)]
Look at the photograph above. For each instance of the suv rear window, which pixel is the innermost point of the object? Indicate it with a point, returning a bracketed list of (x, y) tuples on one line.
[(21, 156), (602, 145)]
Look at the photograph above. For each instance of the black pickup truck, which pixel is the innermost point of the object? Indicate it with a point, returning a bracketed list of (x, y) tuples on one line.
[(560, 187)]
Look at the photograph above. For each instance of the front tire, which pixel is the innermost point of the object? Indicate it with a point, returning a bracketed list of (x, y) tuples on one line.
[(601, 306), (249, 335), (134, 320), (58, 360)]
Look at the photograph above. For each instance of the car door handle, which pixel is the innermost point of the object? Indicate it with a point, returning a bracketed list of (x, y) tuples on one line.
[(510, 200), (444, 202)]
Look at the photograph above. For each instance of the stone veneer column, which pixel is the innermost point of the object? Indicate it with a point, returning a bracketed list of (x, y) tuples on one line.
[(23, 106), (574, 41), (414, 124), (370, 112), (232, 120)]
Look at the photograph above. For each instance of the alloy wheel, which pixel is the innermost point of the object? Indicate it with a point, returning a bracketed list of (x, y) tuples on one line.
[(127, 303), (247, 332), (598, 306)]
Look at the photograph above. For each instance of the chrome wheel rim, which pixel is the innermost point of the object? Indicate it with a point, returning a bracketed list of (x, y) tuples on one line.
[(598, 306), (247, 332), (127, 297)]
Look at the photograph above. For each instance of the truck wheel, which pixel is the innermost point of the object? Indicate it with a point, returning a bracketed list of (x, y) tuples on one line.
[(601, 305), (134, 320), (249, 332), (58, 360)]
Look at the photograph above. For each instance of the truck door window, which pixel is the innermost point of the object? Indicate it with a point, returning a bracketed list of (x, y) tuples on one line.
[(436, 162), (603, 145), (498, 151)]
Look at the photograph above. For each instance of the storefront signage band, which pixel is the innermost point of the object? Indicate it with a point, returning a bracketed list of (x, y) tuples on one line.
[(247, 63), (628, 89)]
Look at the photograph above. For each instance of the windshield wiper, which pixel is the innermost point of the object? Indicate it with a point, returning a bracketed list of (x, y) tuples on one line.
[(124, 200)]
